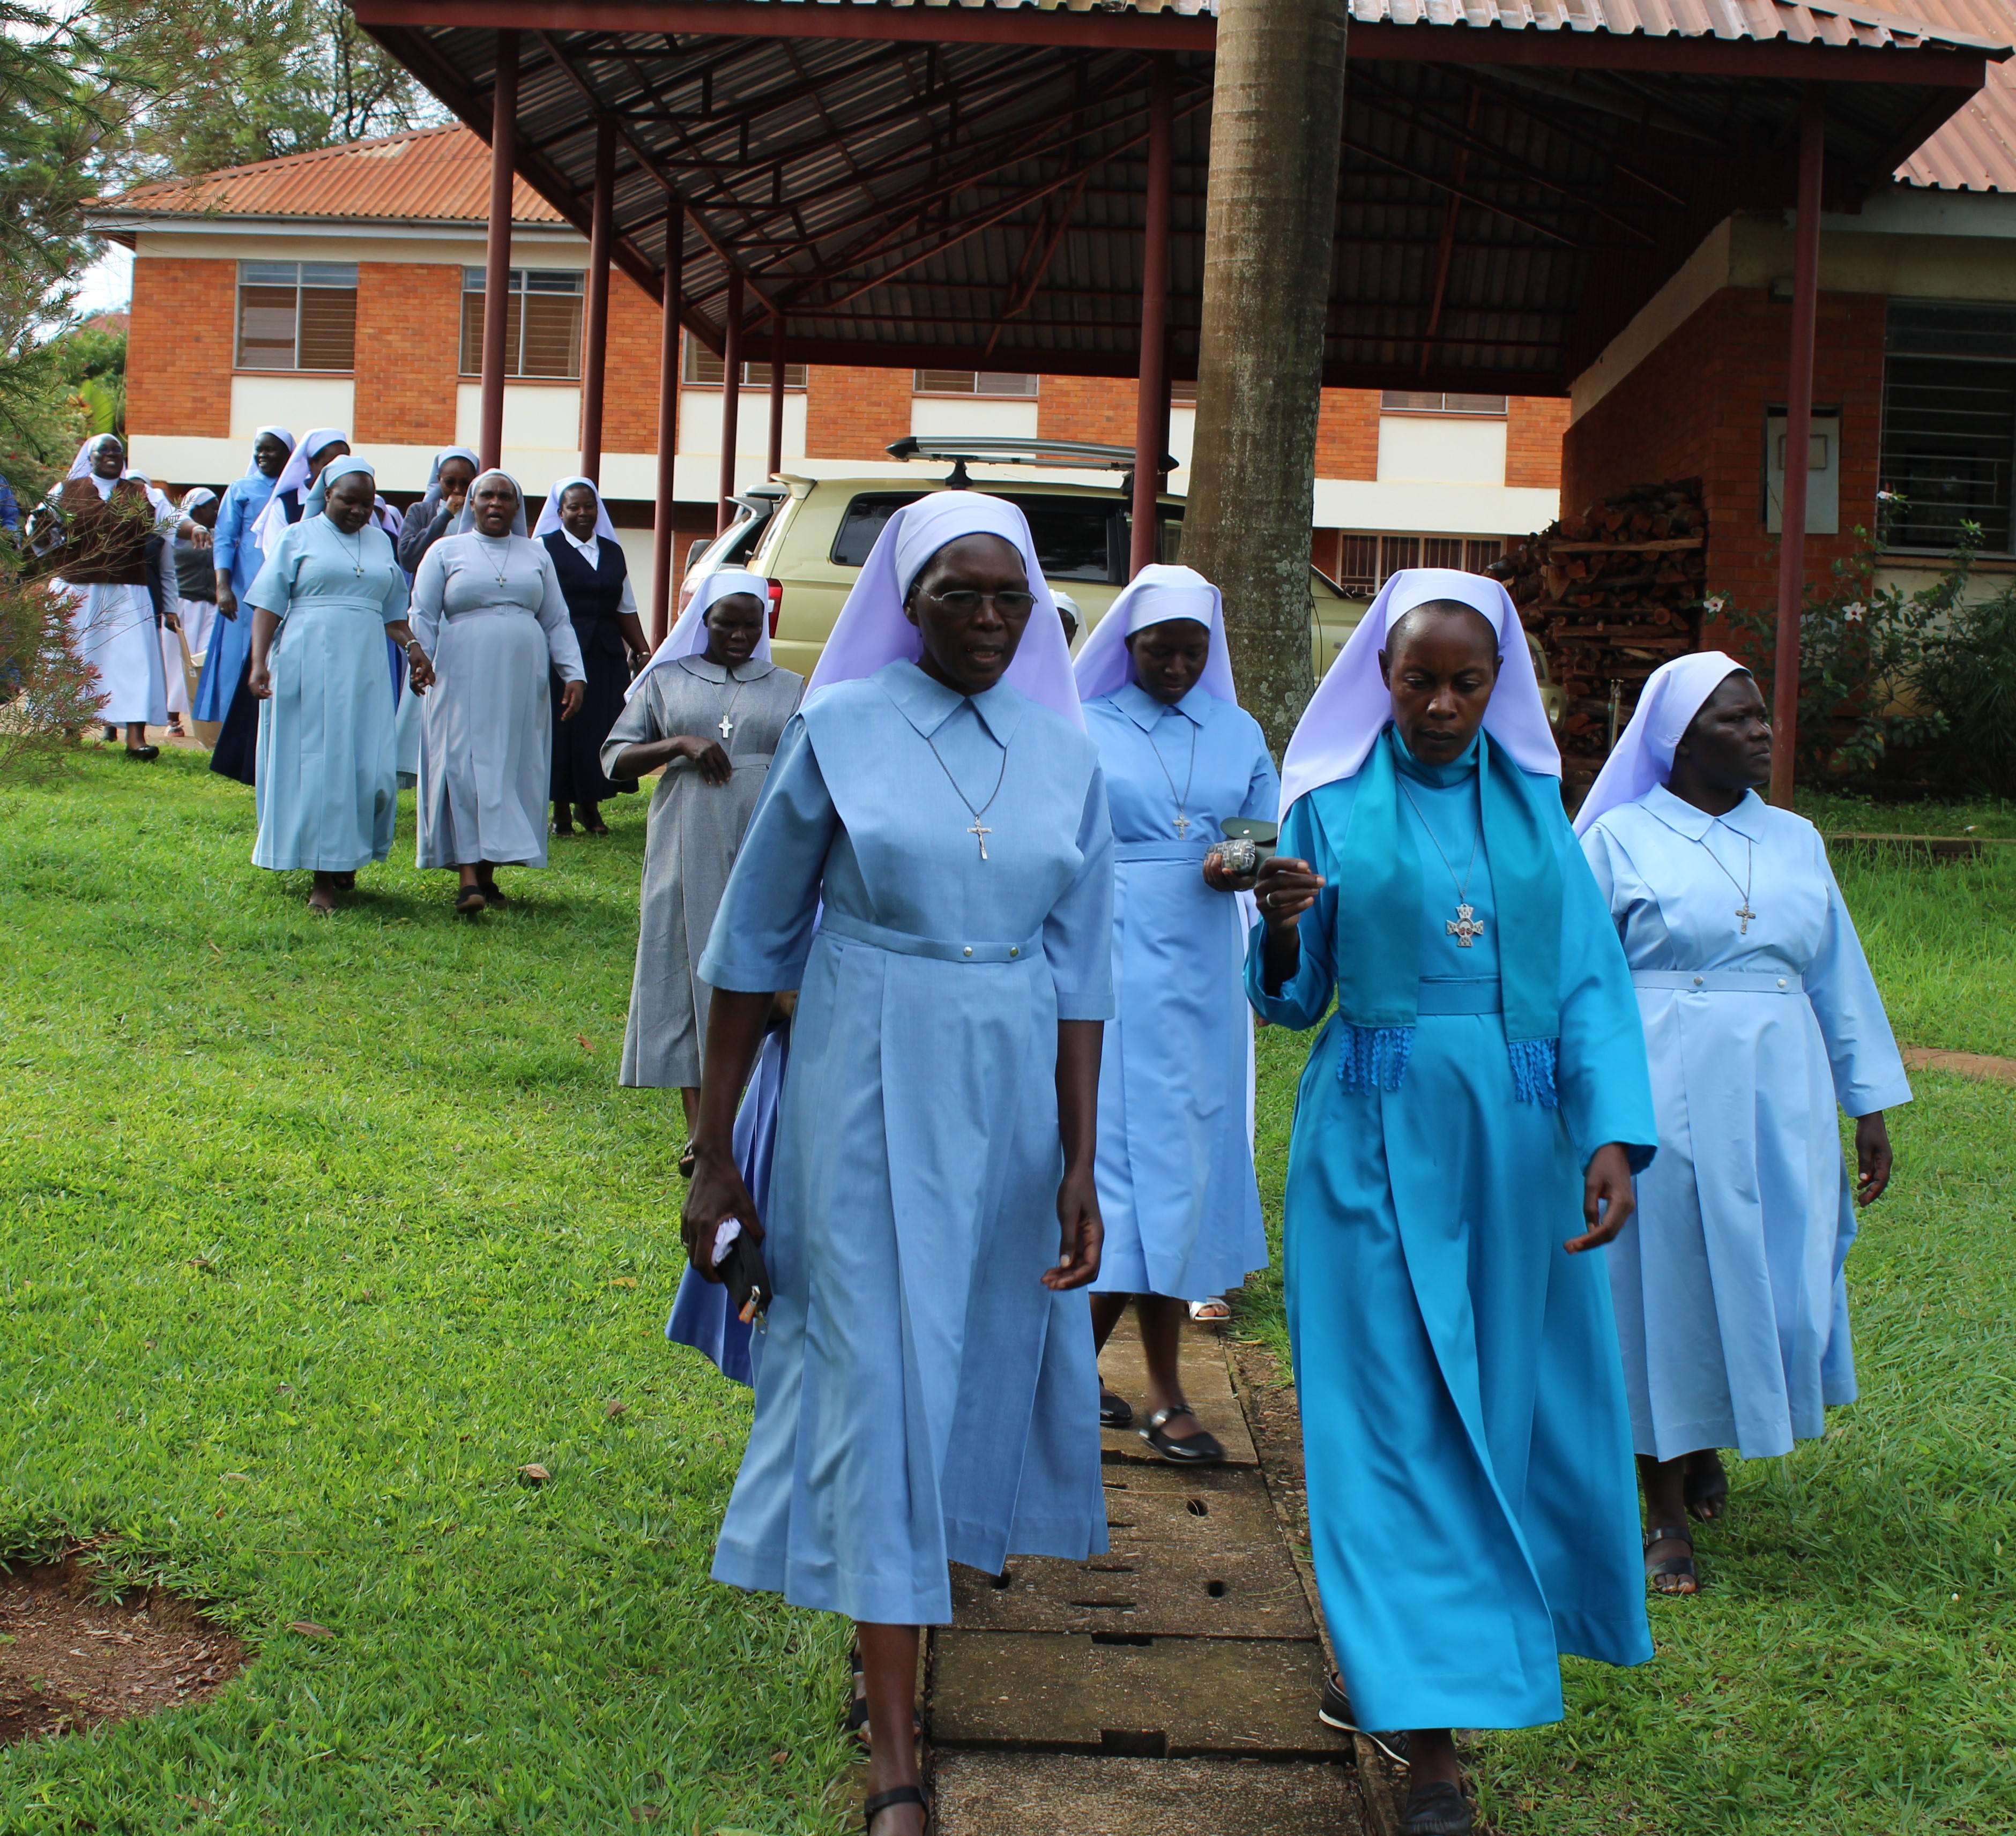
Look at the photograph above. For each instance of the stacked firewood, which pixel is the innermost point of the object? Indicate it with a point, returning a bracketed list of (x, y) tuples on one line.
[(1611, 594)]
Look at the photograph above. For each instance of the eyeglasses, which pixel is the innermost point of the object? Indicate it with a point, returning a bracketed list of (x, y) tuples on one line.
[(962, 604)]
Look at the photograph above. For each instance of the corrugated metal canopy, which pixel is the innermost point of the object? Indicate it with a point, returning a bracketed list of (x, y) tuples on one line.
[(963, 186)]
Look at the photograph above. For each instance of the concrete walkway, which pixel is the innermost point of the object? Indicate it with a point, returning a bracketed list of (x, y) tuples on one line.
[(1170, 1684)]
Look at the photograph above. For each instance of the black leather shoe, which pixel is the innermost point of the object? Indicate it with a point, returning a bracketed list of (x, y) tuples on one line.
[(1198, 1450), (1334, 1709), (1115, 1411), (1436, 1809)]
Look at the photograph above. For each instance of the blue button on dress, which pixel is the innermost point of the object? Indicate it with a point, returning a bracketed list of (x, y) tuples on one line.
[(920, 1396), (1175, 1166), (1472, 1505), (326, 785), (1731, 1304)]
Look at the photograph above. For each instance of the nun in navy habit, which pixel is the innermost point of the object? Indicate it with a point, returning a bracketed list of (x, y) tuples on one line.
[(930, 865), (1466, 1131), (595, 581)]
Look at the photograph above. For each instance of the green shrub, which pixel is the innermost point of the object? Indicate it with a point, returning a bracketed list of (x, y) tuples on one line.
[(1967, 674)]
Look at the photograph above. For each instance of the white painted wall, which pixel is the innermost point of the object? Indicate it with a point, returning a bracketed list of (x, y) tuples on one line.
[(538, 417), (291, 400), (973, 417), (1182, 436), (700, 422), (1441, 449), (1434, 509)]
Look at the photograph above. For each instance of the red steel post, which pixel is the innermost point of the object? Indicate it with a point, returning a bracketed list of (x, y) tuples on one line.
[(731, 397), (497, 262), (595, 338), (775, 462), (668, 423), (1152, 399)]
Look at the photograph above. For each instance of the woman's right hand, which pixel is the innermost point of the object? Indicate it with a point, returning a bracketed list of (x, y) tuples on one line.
[(1286, 889), (717, 1193), (706, 757), (259, 681), (227, 600)]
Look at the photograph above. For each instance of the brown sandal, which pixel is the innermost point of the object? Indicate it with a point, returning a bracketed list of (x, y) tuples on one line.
[(470, 901)]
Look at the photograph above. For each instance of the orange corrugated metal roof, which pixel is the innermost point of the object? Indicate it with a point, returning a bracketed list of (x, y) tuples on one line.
[(433, 175), (1976, 149)]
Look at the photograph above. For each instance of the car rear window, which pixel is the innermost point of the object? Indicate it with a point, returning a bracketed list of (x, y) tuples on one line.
[(1073, 535), (864, 517)]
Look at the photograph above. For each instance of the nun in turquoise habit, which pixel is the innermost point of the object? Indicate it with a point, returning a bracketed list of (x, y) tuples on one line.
[(931, 866), (1466, 1128), (1176, 1188)]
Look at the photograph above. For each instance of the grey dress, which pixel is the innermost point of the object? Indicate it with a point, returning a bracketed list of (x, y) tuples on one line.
[(486, 754), (695, 828)]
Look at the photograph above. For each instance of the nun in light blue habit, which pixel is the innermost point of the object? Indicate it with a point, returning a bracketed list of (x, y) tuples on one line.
[(1477, 1100), (234, 553), (1176, 1188), (329, 595), (932, 870), (1760, 1016)]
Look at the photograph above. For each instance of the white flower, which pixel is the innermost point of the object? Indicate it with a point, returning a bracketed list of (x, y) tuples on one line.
[(1886, 497), (1714, 606), (1853, 612)]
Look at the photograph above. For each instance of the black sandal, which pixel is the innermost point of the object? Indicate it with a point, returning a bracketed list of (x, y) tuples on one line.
[(1706, 1497), (1200, 1448), (1679, 1566), (345, 881), (883, 1801), (1115, 1411), (470, 901), (685, 1173), (590, 818), (492, 893), (1436, 1809)]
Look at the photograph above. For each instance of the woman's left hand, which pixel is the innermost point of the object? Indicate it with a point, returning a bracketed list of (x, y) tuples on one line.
[(571, 697), (1606, 1185), (1872, 1157), (1084, 1236), (1220, 880), (419, 671)]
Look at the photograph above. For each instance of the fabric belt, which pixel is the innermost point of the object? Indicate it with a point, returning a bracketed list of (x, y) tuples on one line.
[(1169, 850), (1720, 981), (751, 758), (1468, 994), (905, 943)]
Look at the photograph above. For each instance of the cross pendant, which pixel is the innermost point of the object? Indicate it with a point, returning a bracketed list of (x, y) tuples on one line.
[(726, 728), (1183, 827), (1744, 913), (1464, 927), (980, 831)]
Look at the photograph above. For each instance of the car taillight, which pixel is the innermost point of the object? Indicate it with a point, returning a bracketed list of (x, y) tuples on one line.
[(776, 603)]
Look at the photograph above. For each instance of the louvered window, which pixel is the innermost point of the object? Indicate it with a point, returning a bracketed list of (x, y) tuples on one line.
[(1949, 422), (296, 315)]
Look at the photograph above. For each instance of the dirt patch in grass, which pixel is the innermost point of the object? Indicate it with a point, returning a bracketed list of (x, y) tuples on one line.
[(71, 1660)]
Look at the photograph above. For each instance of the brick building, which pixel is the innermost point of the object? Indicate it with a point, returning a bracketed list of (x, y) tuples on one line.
[(345, 288), (1914, 387)]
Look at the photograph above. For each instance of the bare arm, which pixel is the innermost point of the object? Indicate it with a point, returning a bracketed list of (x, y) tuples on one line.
[(736, 1023), (1084, 1232)]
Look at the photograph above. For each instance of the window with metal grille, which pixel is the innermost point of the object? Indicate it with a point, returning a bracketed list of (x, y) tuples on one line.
[(1949, 421), (1183, 395), (1478, 556), (541, 323), (703, 370), (1442, 552), (1428, 401), (296, 315), (1398, 551), (973, 382), (1358, 563)]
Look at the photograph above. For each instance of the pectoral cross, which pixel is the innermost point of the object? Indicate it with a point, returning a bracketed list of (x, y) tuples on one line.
[(1744, 913), (726, 728), (980, 831), (1465, 928), (1184, 826)]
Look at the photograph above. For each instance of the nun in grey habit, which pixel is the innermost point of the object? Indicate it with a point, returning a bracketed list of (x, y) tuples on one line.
[(489, 613), (710, 707)]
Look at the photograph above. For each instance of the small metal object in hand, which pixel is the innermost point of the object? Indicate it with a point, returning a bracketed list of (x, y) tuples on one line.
[(1240, 855)]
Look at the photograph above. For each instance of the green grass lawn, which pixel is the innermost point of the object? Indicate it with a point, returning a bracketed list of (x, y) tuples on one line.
[(352, 1208)]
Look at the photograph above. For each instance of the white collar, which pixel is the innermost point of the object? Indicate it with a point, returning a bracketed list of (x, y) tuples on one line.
[(591, 547)]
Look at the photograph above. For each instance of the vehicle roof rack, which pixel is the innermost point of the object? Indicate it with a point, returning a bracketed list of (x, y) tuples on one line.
[(995, 449)]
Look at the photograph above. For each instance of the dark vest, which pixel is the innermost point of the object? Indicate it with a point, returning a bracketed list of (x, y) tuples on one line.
[(105, 539), (592, 593), (290, 505), (196, 571)]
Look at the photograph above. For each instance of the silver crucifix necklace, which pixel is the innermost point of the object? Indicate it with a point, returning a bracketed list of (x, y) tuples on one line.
[(1744, 914), (1466, 927), (726, 725), (980, 831), (1184, 826)]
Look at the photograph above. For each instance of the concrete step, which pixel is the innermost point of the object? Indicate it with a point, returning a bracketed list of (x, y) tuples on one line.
[(1066, 1795), (1195, 1552), (1130, 1694)]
